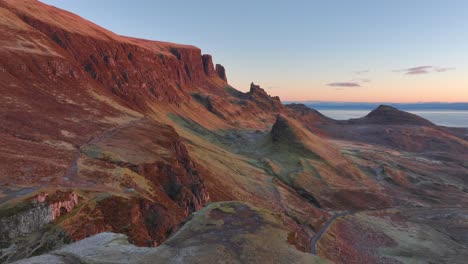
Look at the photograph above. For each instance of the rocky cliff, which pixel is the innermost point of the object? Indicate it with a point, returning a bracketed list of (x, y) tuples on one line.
[(135, 70)]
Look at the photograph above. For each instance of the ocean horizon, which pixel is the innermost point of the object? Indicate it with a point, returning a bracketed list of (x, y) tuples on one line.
[(442, 114)]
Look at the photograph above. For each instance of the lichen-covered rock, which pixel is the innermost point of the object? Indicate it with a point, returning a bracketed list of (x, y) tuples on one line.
[(28, 227), (29, 216), (26, 220)]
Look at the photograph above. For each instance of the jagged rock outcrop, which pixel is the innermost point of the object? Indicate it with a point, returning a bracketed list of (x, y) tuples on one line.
[(234, 106), (263, 100), (61, 203), (221, 72)]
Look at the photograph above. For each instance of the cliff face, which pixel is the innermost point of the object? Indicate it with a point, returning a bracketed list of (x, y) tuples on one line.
[(26, 221), (135, 70), (25, 228), (32, 216)]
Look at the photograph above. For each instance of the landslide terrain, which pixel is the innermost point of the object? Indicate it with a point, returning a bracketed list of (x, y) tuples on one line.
[(104, 133)]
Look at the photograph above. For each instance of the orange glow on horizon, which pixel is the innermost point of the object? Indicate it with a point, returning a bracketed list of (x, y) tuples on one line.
[(392, 89)]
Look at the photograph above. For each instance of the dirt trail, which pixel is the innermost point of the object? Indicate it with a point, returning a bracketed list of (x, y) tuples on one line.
[(72, 170)]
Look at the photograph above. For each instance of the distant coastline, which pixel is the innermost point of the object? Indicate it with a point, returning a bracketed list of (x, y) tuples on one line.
[(321, 105), (443, 114)]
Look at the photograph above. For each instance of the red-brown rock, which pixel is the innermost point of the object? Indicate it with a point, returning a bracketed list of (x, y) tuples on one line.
[(221, 72)]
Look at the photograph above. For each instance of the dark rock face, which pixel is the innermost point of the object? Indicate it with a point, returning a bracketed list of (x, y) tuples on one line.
[(255, 90), (221, 72), (281, 130), (180, 179), (208, 65)]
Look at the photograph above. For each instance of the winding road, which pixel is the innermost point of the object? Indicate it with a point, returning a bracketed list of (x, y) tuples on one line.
[(319, 234)]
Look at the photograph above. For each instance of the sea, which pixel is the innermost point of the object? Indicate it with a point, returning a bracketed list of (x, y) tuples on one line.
[(443, 114)]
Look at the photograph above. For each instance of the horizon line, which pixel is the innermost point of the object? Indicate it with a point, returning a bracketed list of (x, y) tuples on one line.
[(370, 102)]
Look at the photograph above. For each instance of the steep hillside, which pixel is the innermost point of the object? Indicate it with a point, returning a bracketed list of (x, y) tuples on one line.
[(82, 112), (106, 133)]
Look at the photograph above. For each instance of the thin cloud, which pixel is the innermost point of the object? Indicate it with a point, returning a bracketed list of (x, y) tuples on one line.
[(362, 80), (361, 72), (442, 69), (272, 87), (424, 70), (418, 70), (344, 84)]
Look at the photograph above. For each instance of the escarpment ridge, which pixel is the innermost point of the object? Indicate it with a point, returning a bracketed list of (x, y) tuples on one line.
[(129, 144)]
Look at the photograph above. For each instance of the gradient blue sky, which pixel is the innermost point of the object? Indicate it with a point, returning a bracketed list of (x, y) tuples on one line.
[(311, 50)]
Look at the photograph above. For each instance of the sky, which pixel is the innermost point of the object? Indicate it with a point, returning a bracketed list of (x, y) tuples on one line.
[(356, 51)]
